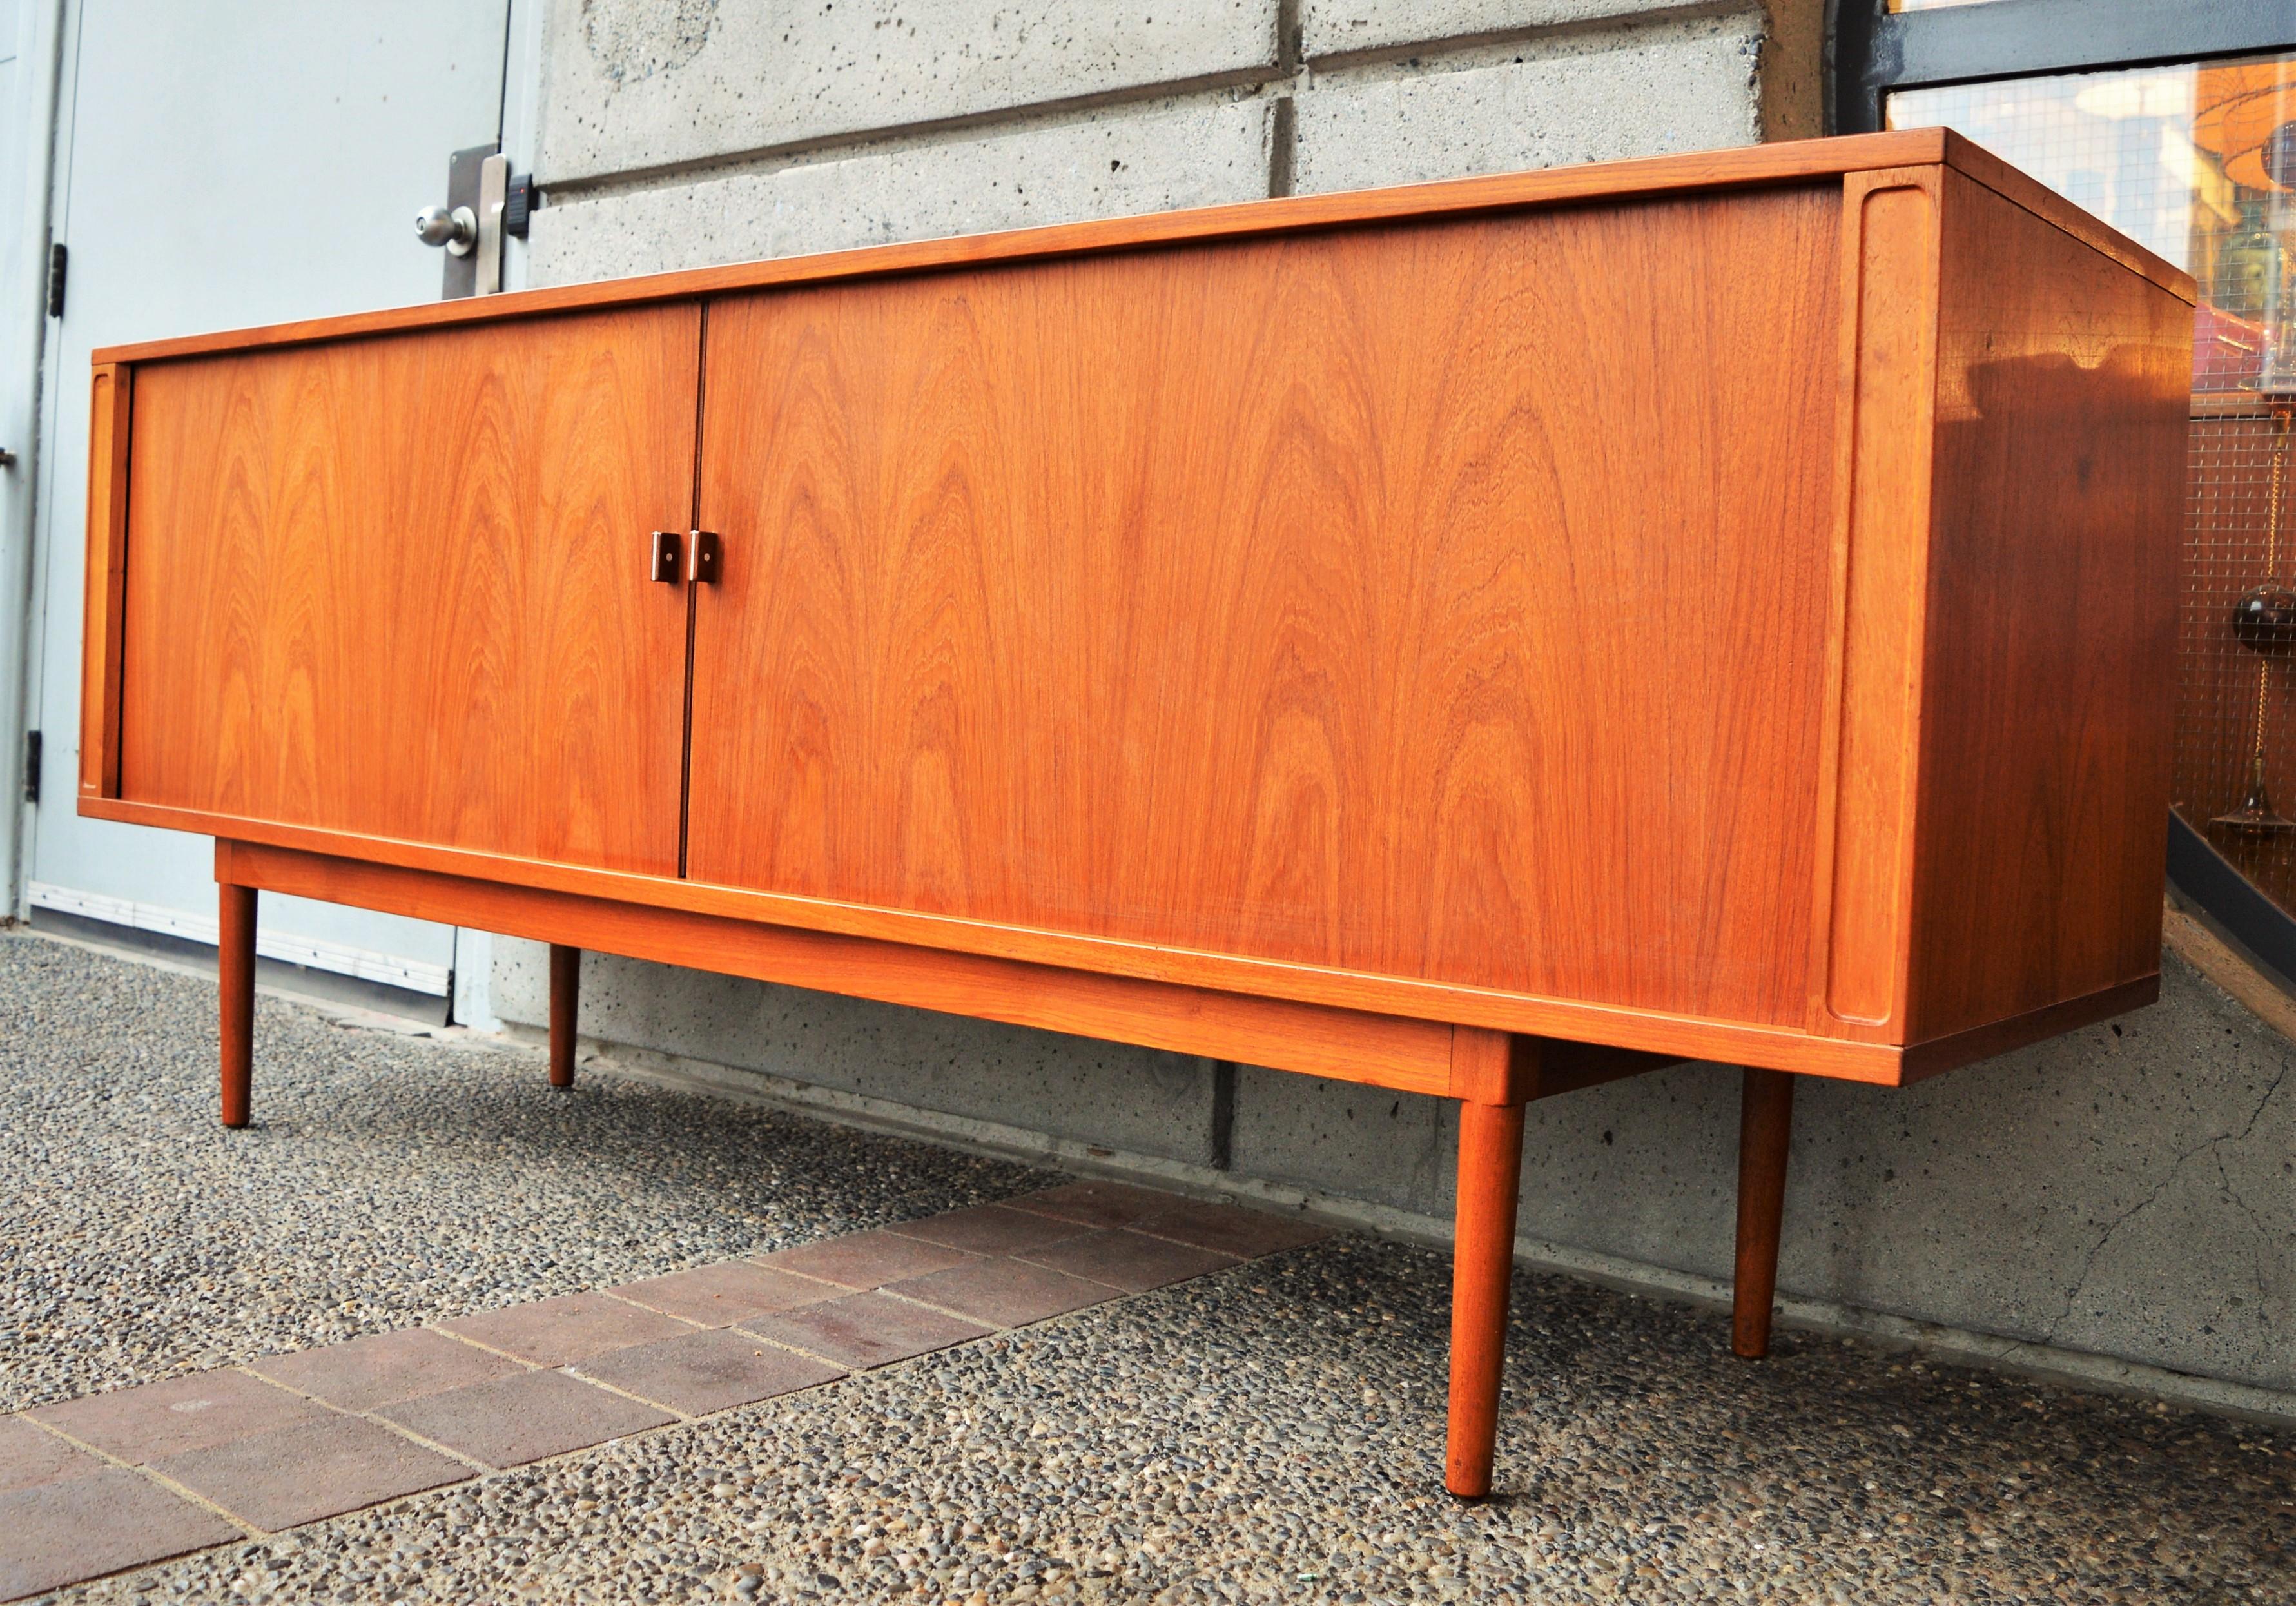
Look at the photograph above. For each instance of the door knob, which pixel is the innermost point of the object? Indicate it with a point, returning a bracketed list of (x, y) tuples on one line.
[(457, 230)]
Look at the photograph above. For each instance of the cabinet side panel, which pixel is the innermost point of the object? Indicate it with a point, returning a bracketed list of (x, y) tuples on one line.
[(2050, 676), (1440, 600), (1890, 239), (397, 586), (111, 390)]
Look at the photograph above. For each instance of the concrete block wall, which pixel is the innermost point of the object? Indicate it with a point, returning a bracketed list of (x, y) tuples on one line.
[(679, 133), (2128, 1191)]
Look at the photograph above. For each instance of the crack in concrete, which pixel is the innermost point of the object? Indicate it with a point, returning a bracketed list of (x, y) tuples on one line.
[(2206, 1146), (2261, 1255)]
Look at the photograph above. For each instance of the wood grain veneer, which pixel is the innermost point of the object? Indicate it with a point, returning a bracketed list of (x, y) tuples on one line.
[(1483, 1271), (391, 587), (111, 390), (1345, 1044), (2049, 680), (1367, 606), (1651, 1032), (1869, 729), (1384, 603)]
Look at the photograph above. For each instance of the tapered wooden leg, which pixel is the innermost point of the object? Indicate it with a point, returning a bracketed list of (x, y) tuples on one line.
[(236, 981), (1482, 1262), (565, 1003), (1765, 1130)]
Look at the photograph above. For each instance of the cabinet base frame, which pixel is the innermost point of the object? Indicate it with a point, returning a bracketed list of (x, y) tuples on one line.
[(1493, 1073), (1662, 1037)]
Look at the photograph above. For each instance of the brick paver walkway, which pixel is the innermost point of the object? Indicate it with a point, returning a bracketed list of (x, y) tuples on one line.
[(118, 1480)]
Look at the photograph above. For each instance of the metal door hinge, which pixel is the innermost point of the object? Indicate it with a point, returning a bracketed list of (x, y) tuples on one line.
[(667, 562), (31, 766), (59, 260)]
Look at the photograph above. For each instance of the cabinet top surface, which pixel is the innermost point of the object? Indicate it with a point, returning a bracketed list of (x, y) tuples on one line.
[(1751, 166)]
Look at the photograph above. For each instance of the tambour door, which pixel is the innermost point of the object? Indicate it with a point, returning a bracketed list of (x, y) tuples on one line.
[(397, 586), (1439, 600)]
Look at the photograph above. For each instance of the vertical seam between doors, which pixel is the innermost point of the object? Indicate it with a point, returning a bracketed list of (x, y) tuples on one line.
[(692, 590)]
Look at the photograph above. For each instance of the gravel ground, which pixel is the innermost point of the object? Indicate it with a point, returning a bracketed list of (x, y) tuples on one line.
[(388, 1180), (1270, 1433)]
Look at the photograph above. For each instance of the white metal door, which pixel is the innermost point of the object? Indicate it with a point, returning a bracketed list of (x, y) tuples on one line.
[(219, 165)]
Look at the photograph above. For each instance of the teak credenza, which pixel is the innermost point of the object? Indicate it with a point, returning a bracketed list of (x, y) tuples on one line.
[(1482, 639)]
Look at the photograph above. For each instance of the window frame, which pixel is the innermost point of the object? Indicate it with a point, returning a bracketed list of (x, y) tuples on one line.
[(1876, 50)]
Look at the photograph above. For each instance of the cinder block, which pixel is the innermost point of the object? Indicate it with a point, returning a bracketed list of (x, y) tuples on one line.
[(2128, 1190), (1138, 1100), (1358, 1142), (636, 84), (1107, 165), (1339, 27), (1645, 1169), (1688, 86)]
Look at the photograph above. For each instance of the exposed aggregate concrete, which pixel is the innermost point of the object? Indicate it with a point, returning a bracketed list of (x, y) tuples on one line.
[(1273, 1432), (386, 1180)]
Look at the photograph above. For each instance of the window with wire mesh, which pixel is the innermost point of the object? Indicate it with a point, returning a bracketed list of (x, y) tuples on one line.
[(2199, 163)]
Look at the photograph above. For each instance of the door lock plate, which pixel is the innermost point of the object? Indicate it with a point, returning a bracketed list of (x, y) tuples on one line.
[(470, 226)]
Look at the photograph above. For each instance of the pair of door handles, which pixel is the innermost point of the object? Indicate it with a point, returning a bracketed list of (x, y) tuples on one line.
[(691, 557)]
